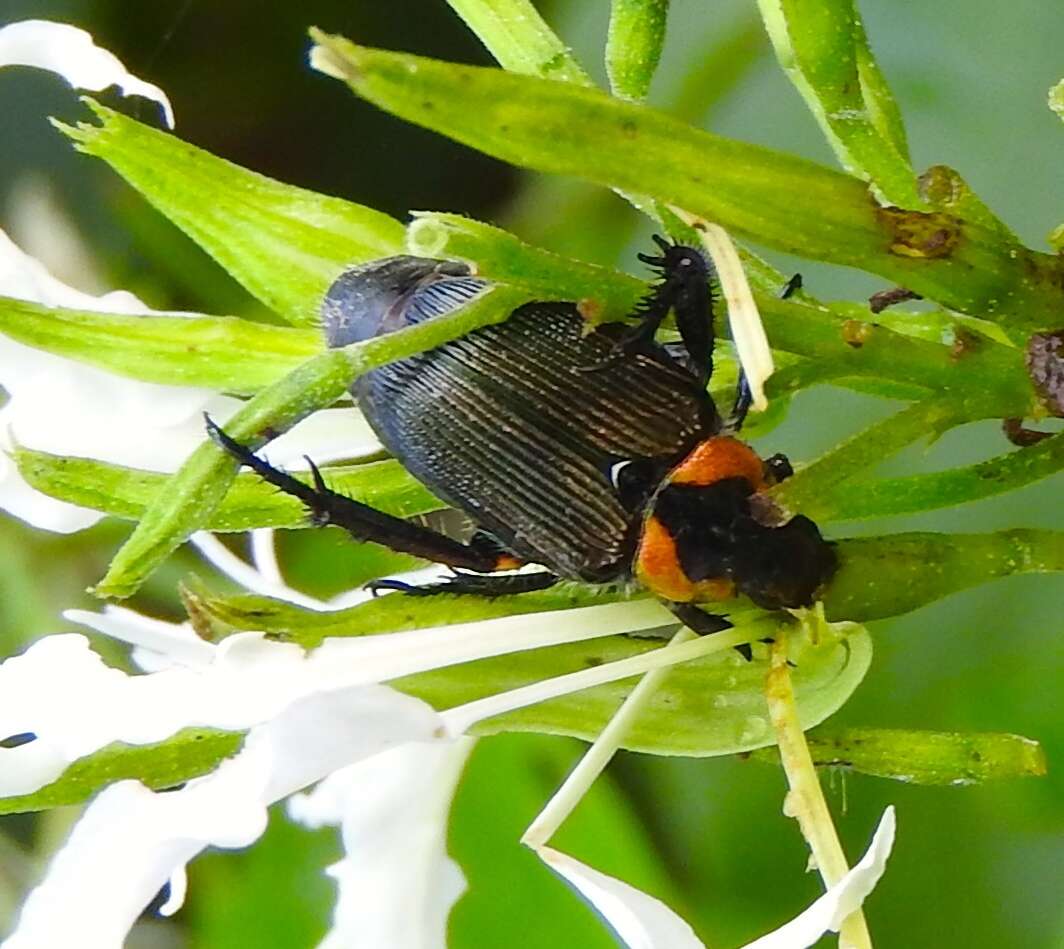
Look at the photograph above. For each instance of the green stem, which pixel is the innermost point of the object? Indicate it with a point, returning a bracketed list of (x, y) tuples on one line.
[(633, 45), (811, 490), (887, 497), (520, 40)]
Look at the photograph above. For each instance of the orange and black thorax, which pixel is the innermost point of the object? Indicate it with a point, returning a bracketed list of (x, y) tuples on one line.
[(709, 532)]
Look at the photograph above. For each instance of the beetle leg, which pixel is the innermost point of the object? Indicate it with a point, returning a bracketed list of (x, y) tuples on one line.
[(743, 396), (360, 520), (704, 623), (473, 584)]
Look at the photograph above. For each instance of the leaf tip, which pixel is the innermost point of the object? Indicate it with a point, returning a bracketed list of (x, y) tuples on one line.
[(332, 55)]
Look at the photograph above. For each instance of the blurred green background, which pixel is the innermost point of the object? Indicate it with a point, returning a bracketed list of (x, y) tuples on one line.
[(973, 867)]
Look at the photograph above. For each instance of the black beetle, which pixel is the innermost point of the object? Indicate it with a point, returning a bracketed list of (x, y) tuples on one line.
[(597, 455)]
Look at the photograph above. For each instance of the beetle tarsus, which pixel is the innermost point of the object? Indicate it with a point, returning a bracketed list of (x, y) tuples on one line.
[(705, 624)]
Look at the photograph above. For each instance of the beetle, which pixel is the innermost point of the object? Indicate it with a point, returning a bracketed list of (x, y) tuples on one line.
[(598, 455)]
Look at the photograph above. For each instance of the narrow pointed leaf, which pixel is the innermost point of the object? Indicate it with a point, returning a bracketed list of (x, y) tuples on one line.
[(519, 39), (885, 497), (250, 502), (878, 577), (777, 199), (214, 352), (284, 244), (499, 255), (823, 49), (923, 757), (166, 764), (217, 616)]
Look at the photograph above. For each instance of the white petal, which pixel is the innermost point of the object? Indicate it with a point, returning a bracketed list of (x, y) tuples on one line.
[(157, 644), (37, 509), (828, 912), (641, 921), (744, 318), (131, 841), (71, 53), (396, 885), (26, 278)]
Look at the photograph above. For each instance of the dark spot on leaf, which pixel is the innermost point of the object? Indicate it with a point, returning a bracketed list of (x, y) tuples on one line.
[(919, 234), (592, 661), (856, 333), (964, 342)]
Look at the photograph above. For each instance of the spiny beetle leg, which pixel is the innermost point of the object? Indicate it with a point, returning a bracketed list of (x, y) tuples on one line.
[(360, 520), (705, 623), (473, 584)]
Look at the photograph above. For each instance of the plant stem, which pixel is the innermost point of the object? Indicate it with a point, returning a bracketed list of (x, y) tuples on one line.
[(805, 800), (812, 489), (520, 40)]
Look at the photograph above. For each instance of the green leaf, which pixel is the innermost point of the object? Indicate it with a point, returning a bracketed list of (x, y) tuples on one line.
[(986, 377), (218, 616), (519, 39), (776, 199), (887, 576), (165, 764), (284, 244), (191, 496), (633, 45), (208, 351), (712, 706), (822, 47), (885, 497), (250, 502), (813, 489), (923, 757)]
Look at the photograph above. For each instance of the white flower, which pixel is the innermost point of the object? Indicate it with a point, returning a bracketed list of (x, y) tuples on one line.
[(308, 714), (643, 922)]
